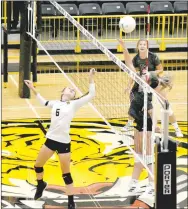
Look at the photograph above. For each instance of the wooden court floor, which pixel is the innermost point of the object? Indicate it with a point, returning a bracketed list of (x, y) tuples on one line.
[(107, 85)]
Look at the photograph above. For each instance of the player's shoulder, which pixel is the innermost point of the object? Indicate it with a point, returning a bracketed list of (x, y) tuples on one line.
[(152, 54), (55, 102), (135, 60), (136, 57)]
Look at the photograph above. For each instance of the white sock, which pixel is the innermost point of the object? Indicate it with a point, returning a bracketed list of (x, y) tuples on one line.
[(133, 181), (151, 183), (175, 125)]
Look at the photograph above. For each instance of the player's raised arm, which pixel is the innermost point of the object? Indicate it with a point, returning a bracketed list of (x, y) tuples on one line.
[(127, 57), (129, 63), (89, 96), (41, 99)]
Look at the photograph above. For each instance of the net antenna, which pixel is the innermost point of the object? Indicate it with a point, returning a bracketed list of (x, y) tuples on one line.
[(111, 57)]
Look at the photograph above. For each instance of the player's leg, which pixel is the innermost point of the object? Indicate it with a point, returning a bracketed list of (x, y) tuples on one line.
[(45, 153), (149, 160), (172, 118), (173, 121), (129, 124), (65, 159), (138, 167)]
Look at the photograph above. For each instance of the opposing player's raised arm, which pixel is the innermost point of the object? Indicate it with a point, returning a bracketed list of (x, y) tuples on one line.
[(89, 96), (127, 57), (41, 99), (129, 63)]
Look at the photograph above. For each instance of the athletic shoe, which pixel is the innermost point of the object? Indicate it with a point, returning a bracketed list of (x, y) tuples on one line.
[(178, 133), (133, 189), (148, 195), (127, 127), (40, 190), (71, 206)]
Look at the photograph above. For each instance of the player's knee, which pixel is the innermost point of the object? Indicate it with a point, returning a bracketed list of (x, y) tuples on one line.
[(38, 169), (67, 178), (150, 112)]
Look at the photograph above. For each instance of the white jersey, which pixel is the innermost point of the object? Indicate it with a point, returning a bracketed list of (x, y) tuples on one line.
[(62, 114)]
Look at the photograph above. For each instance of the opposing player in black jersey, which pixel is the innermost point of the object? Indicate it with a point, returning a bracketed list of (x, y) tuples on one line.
[(137, 113), (142, 62)]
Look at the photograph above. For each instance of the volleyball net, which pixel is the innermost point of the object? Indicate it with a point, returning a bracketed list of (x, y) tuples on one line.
[(111, 104)]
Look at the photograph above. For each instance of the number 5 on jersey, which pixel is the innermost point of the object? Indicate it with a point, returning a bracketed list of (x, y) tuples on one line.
[(57, 112)]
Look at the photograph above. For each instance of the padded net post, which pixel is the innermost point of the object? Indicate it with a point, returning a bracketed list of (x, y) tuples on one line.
[(25, 53)]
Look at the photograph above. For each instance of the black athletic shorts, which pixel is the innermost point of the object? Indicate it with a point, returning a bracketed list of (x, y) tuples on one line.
[(136, 110), (140, 124), (137, 105), (58, 146)]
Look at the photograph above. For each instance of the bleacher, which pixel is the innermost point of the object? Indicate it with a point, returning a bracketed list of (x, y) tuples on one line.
[(112, 7), (168, 23)]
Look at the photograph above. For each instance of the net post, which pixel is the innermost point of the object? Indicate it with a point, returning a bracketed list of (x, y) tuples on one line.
[(25, 53), (165, 118), (39, 17), (144, 144), (5, 50), (9, 15), (34, 61), (166, 194), (35, 14)]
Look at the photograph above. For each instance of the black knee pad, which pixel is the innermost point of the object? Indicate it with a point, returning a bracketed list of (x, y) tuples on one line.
[(67, 178), (39, 169)]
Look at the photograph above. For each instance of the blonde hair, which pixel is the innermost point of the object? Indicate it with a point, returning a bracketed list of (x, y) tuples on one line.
[(166, 81), (64, 90), (139, 43)]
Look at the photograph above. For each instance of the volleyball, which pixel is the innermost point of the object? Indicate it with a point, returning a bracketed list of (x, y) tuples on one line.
[(127, 24)]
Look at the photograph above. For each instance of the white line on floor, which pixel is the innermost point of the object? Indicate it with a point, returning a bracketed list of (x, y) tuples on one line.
[(27, 100)]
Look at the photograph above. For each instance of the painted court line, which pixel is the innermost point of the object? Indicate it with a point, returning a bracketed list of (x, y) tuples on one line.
[(27, 100), (39, 107)]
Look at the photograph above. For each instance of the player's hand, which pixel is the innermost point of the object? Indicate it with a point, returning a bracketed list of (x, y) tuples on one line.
[(121, 42), (127, 90), (29, 83), (92, 71)]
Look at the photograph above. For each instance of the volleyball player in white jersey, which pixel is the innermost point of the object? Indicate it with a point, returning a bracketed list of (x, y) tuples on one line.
[(58, 139)]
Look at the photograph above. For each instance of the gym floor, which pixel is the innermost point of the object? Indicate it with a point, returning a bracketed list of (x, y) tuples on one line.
[(101, 165)]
